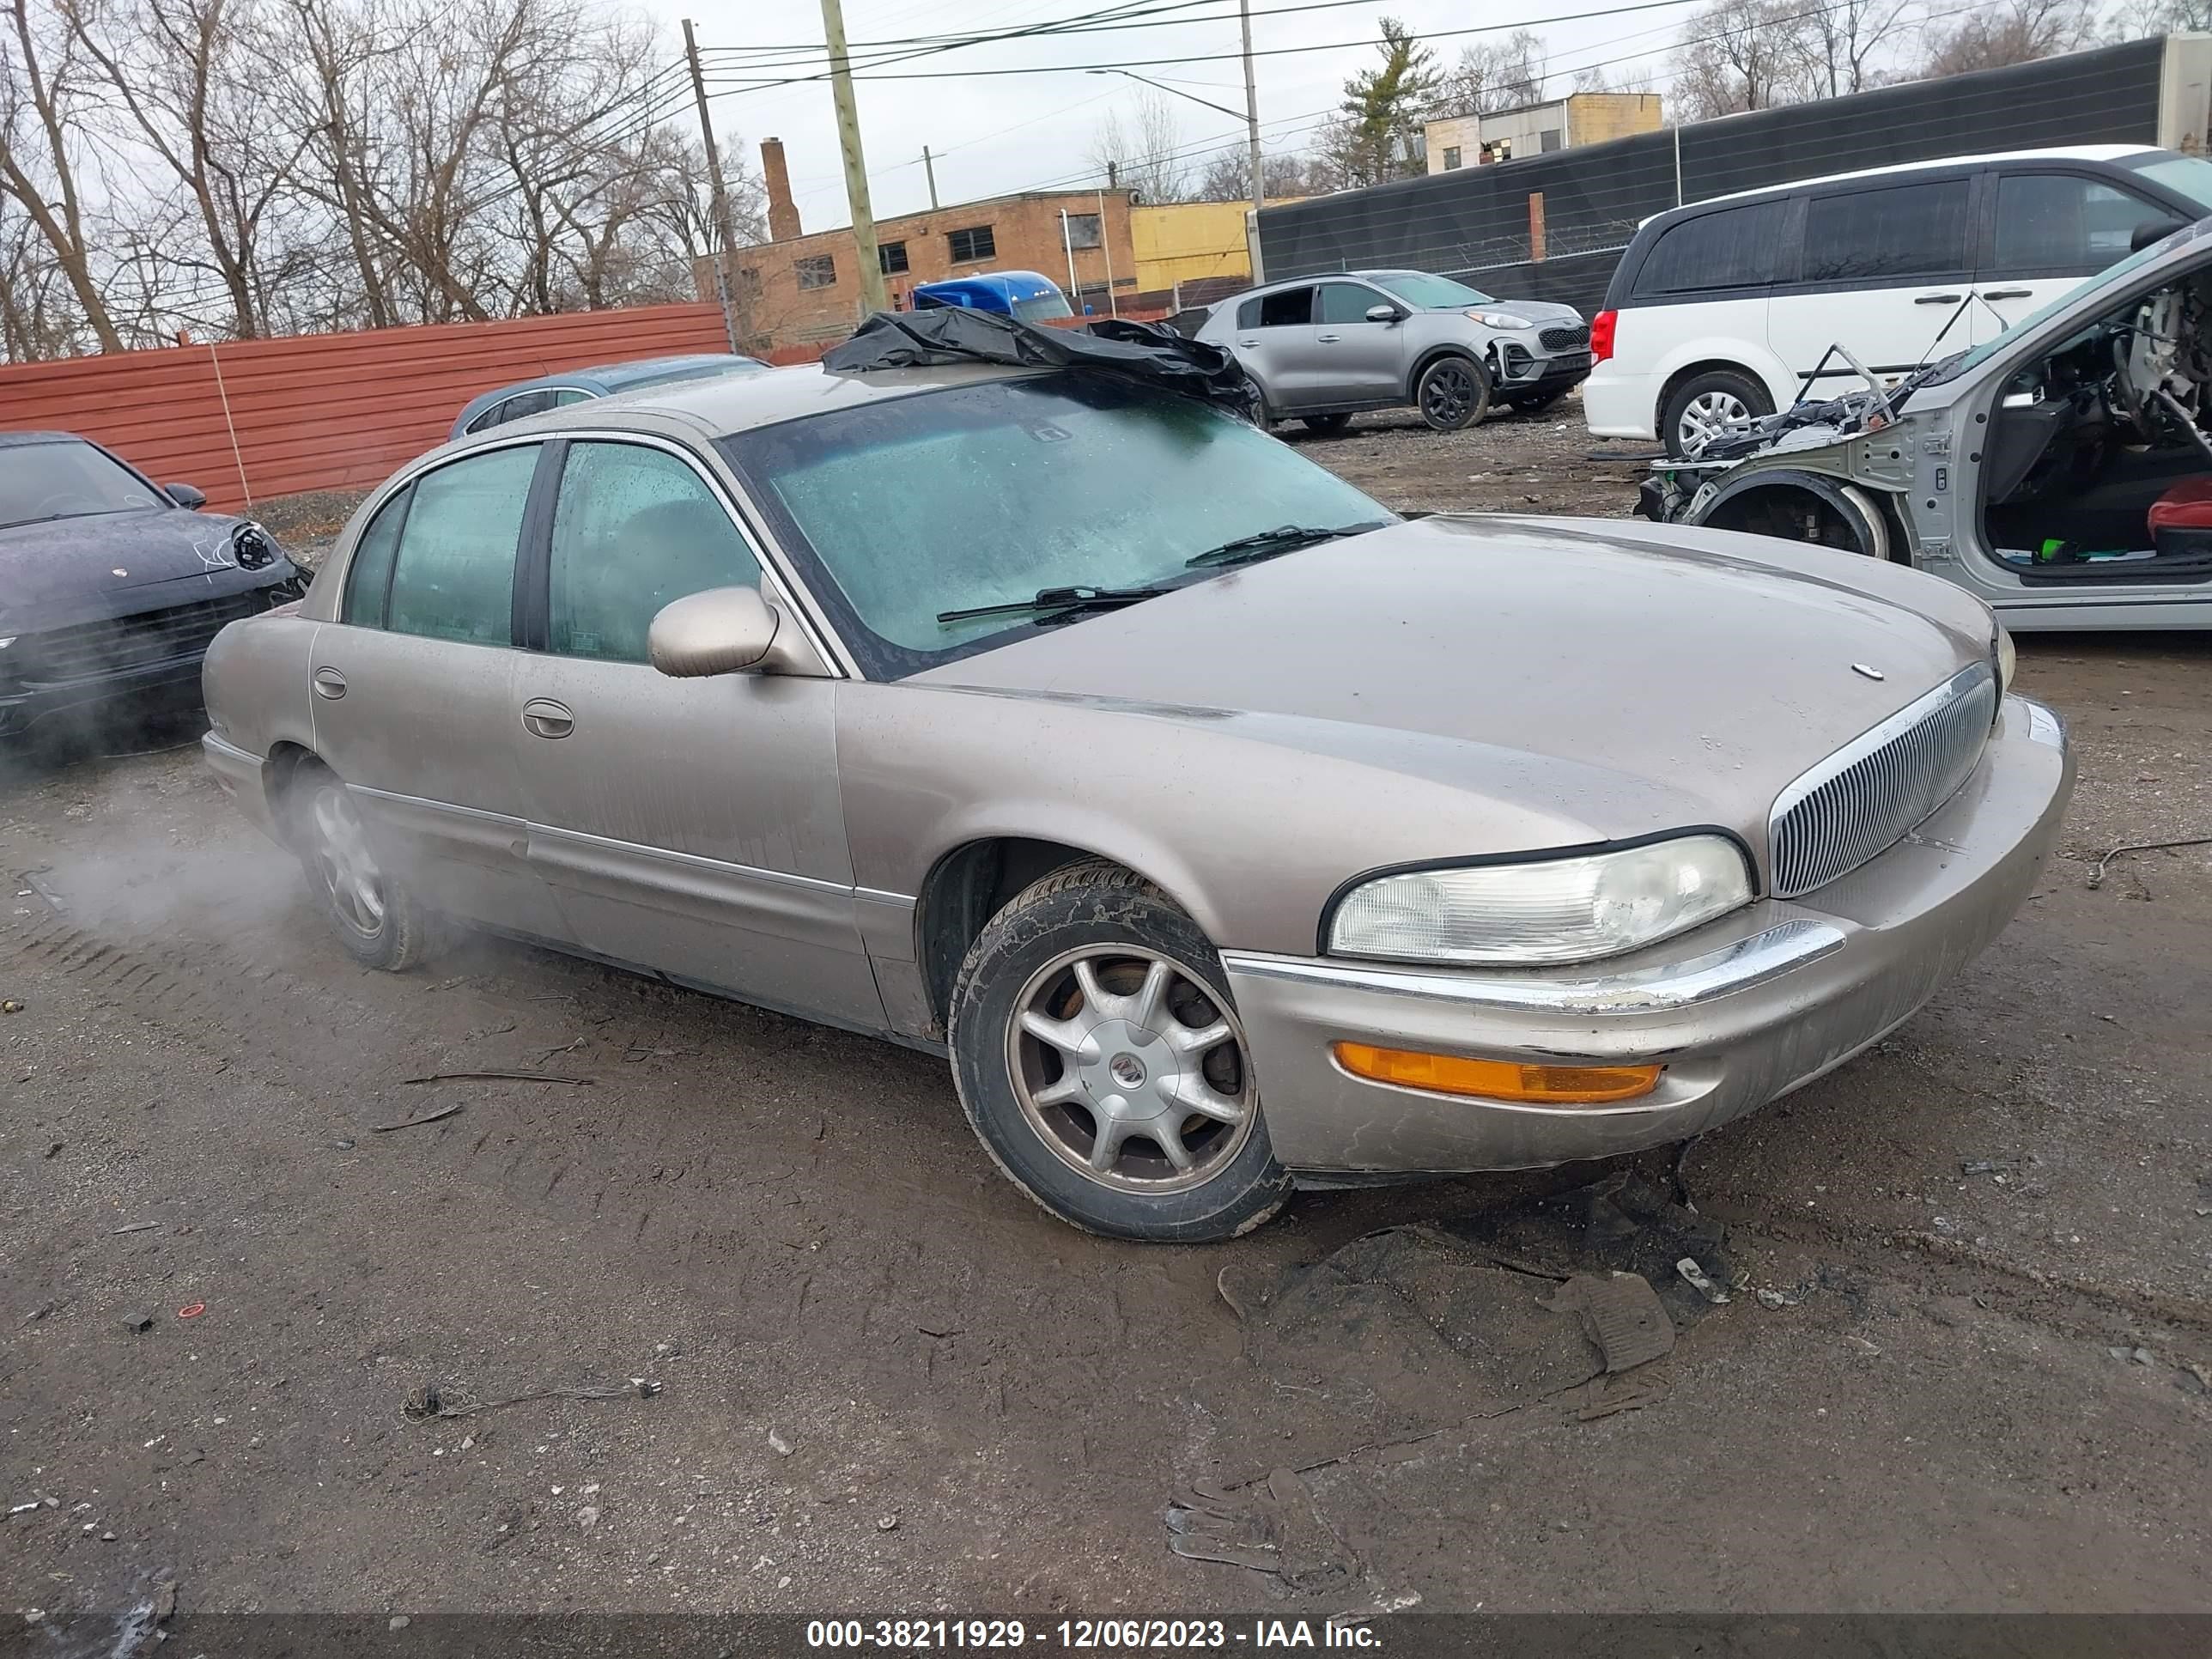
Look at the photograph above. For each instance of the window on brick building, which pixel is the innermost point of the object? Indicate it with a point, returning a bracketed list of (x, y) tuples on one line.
[(817, 270), (969, 246)]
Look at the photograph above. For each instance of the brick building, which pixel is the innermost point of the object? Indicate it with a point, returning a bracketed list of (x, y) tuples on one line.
[(803, 289)]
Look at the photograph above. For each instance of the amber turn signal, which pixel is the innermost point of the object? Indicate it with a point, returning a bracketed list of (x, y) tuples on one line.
[(1498, 1079)]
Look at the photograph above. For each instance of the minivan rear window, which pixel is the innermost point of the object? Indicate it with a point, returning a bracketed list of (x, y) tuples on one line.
[(1734, 247), (1901, 230)]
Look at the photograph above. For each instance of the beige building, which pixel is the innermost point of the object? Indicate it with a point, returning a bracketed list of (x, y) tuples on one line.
[(1582, 118), (799, 290)]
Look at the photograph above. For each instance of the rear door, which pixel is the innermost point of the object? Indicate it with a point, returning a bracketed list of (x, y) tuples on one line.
[(693, 826), (413, 684), (1275, 340), (1359, 362), (2049, 229), (1885, 271)]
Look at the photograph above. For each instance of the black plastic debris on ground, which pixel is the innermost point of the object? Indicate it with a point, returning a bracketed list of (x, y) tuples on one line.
[(1144, 352)]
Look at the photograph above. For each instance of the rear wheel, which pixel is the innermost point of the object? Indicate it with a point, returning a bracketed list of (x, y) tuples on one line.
[(379, 922), (1101, 1061), (1705, 405), (1453, 393), (1326, 426)]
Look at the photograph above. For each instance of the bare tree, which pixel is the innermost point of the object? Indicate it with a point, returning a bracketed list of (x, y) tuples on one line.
[(1494, 75), (1739, 55), (43, 103), (2010, 32), (1228, 177), (1839, 45), (1146, 155)]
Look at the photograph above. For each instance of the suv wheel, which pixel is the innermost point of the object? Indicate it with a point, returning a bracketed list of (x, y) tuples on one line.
[(1704, 404), (1453, 393), (1100, 1061)]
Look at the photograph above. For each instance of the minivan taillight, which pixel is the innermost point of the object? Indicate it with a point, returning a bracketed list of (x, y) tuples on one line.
[(1601, 327)]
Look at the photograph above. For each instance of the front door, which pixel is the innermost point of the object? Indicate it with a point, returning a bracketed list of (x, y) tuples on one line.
[(1361, 361), (411, 688), (693, 826), (1887, 274), (2049, 232)]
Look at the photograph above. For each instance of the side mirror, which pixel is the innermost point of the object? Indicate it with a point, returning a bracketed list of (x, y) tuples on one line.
[(185, 495), (1383, 314), (2153, 230), (724, 631)]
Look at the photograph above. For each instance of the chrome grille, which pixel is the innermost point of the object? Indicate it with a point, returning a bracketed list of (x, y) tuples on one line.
[(1861, 799), (126, 642), (1565, 339)]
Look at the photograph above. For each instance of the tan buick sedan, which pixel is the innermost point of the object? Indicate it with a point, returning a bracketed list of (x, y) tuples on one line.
[(1227, 832)]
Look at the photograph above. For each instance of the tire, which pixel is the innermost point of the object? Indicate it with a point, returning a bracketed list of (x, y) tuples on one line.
[(1536, 404), (380, 924), (1326, 426), (1094, 952), (1696, 407), (1453, 393)]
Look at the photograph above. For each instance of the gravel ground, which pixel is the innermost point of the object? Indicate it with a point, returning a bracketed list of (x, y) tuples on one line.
[(889, 1385)]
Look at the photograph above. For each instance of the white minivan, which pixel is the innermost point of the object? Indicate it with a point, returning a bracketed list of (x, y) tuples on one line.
[(1725, 309)]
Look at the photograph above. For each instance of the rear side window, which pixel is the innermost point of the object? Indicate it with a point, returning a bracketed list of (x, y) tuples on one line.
[(1876, 235), (633, 529), (1248, 314), (454, 578), (512, 408), (2059, 222), (1732, 248), (1292, 308), (370, 573)]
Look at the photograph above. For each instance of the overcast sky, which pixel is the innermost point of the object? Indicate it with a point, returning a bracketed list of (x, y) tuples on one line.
[(1000, 134)]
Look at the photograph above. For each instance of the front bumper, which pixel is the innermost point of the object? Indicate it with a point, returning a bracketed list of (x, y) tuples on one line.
[(1741, 1012), (22, 706), (1520, 369)]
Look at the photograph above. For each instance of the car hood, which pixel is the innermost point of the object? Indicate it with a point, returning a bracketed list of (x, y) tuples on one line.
[(1538, 312), (1685, 673), (72, 570)]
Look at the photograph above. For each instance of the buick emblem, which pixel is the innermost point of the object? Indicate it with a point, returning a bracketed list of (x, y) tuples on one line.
[(1871, 673)]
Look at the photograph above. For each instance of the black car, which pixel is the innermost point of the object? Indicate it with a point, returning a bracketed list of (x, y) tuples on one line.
[(111, 586)]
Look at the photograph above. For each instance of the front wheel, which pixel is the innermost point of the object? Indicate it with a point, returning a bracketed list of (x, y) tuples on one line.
[(1453, 393), (1099, 1058)]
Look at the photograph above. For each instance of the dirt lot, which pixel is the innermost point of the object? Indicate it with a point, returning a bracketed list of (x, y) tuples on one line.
[(887, 1384)]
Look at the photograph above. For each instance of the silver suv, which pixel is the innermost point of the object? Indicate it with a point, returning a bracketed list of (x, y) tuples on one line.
[(1325, 348)]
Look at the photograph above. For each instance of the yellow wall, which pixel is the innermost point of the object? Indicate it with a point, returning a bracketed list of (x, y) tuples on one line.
[(1183, 242)]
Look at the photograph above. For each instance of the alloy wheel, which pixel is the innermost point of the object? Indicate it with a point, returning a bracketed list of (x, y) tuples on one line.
[(343, 863), (1448, 393)]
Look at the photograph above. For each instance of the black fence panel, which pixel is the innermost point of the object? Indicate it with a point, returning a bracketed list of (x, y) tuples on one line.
[(1473, 222)]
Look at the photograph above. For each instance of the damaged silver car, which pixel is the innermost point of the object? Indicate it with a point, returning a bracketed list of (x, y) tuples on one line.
[(1225, 830), (2061, 473)]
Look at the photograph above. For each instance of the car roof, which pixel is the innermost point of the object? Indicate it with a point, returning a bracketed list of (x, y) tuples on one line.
[(11, 440), (2069, 153), (737, 402)]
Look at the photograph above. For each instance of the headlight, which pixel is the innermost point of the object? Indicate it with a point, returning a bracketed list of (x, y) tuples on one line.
[(1500, 319), (2007, 659), (1571, 909)]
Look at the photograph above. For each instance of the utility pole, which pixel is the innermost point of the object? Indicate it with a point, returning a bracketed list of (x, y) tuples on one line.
[(930, 168), (719, 197), (1252, 132), (873, 297)]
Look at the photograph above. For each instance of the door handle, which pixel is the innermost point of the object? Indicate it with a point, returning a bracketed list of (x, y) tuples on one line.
[(1247, 343), (329, 682), (545, 718), (2008, 293), (1939, 299), (1329, 339)]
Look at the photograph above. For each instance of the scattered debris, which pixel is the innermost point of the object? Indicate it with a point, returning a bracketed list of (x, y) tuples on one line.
[(431, 1401), (588, 1516), (1269, 1526), (778, 1444), (2097, 875), (1777, 1298), (887, 1524), (1996, 1166), (22, 1508), (138, 1323), (409, 1123), (192, 1310), (500, 1077), (1694, 1277), (11, 1006), (135, 1227), (2140, 1356), (1621, 1314), (1384, 1605)]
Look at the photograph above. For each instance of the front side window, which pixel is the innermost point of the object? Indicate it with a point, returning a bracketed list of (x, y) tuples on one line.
[(1347, 303), (1425, 293), (816, 270), (1882, 235), (965, 247), (453, 577), (370, 573), (1292, 308), (73, 480), (2060, 221), (633, 529), (1007, 487), (1729, 248)]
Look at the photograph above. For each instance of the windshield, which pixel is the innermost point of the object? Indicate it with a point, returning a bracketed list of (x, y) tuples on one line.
[(2188, 175), (1425, 293), (986, 493), (66, 480), (1050, 303)]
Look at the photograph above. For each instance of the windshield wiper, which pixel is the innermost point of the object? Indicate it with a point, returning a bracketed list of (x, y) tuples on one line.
[(1282, 539), (1058, 600)]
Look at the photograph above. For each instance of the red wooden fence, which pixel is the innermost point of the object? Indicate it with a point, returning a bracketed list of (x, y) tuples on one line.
[(257, 418)]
